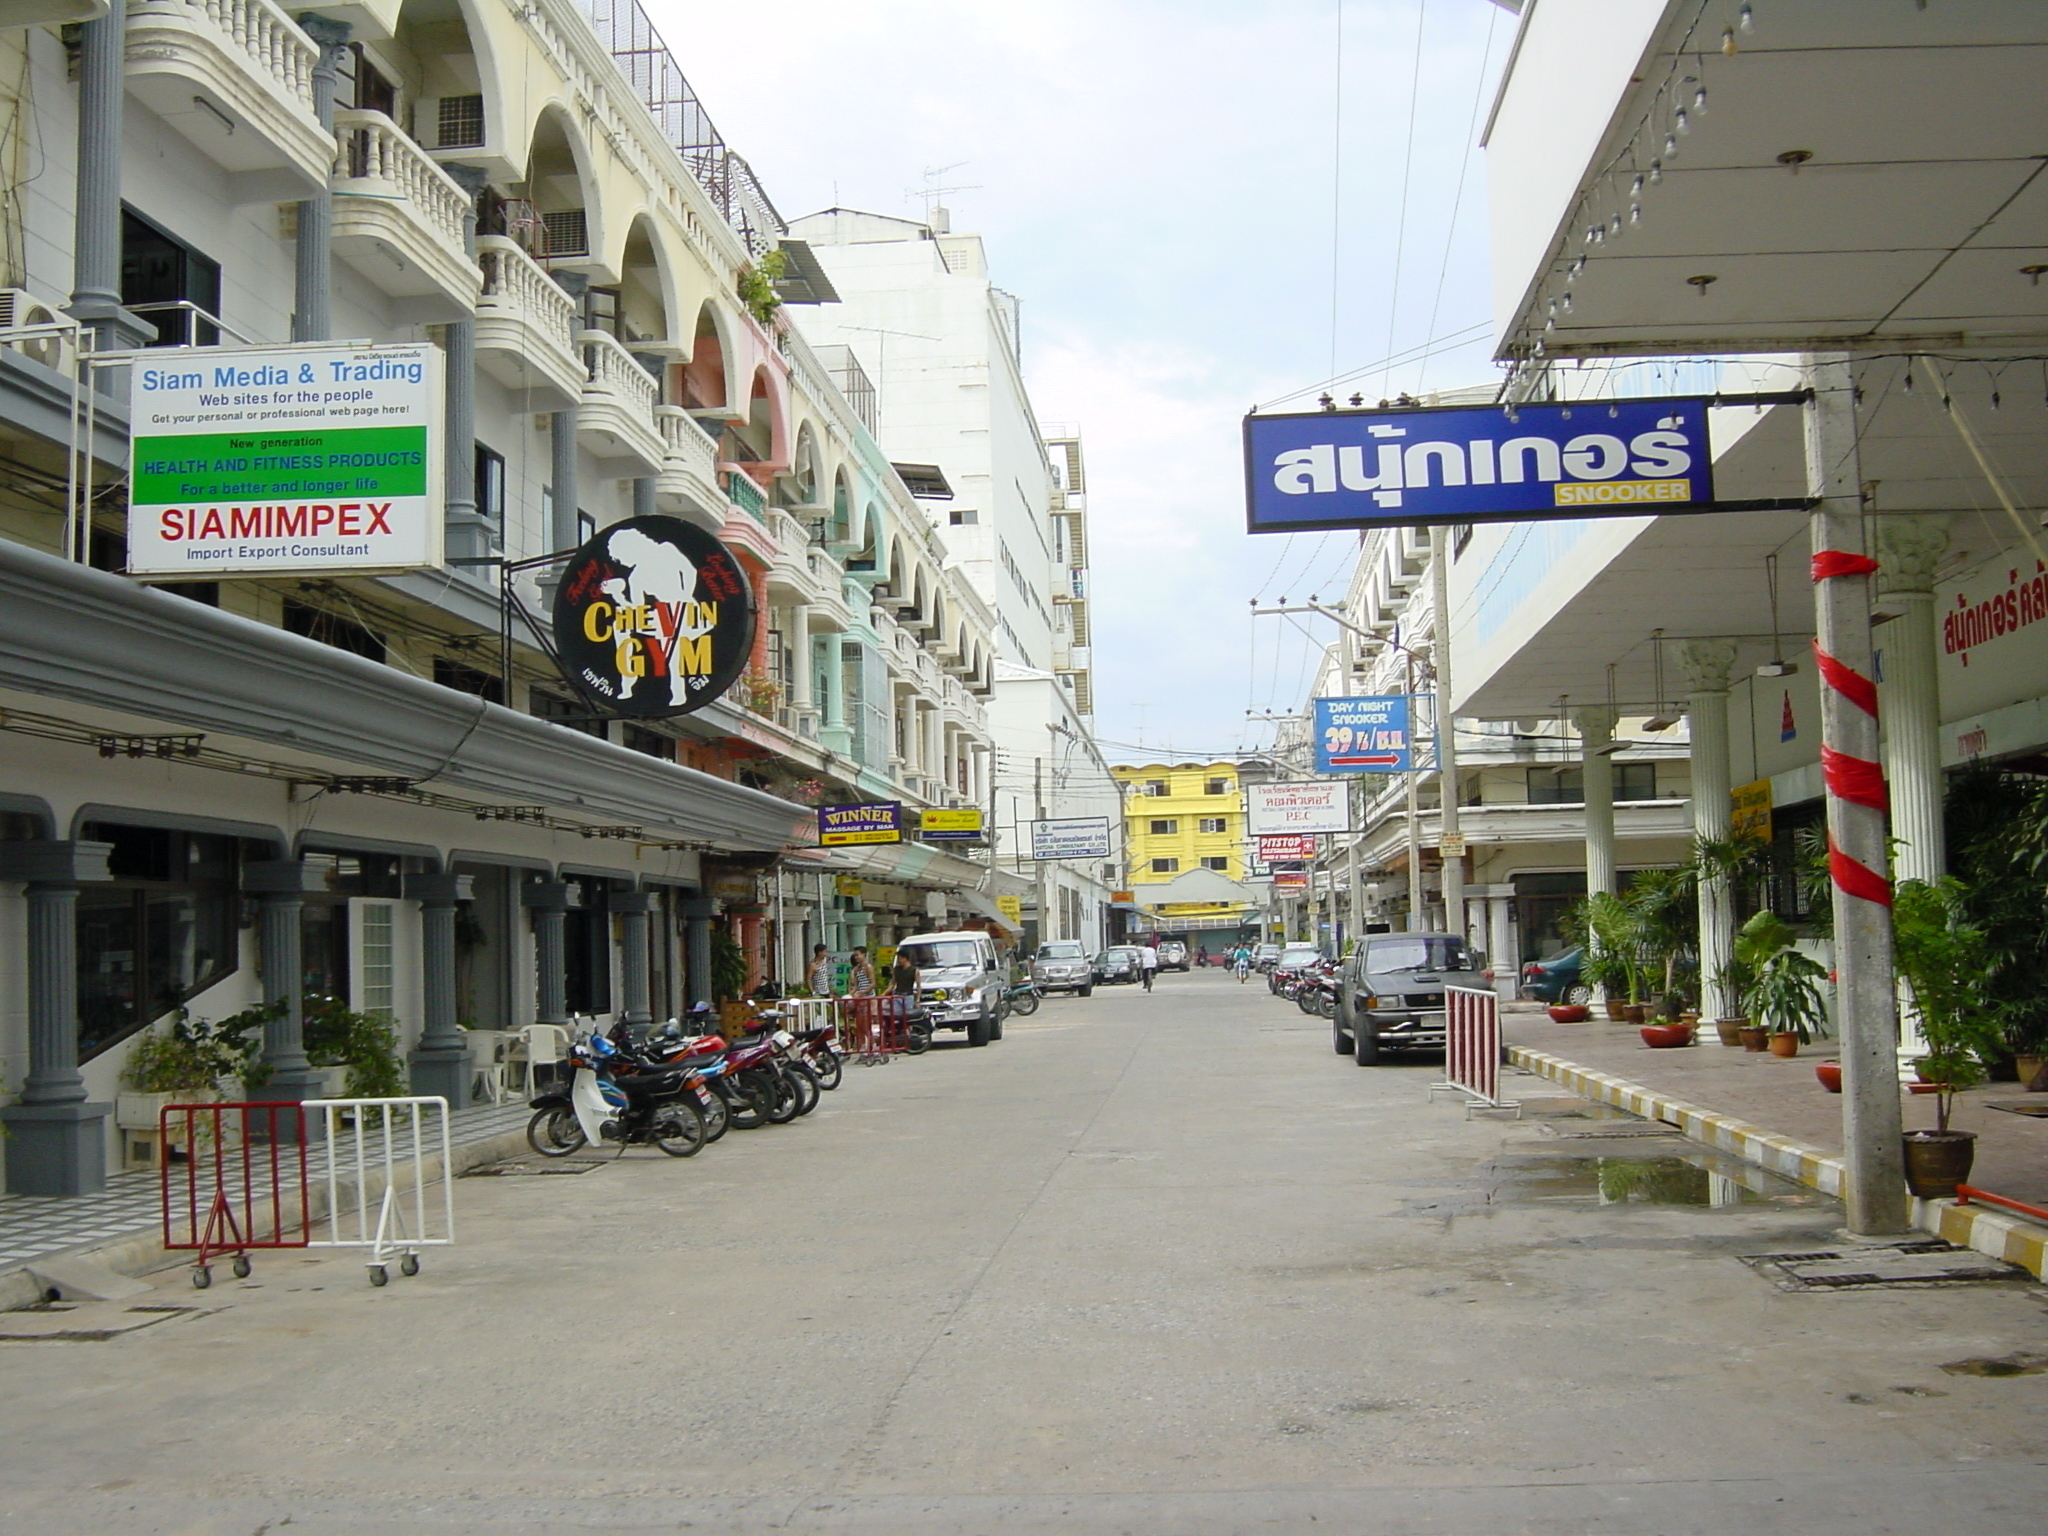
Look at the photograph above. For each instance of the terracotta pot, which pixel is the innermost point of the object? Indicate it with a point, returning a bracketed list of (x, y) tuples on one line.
[(1665, 1037), (1614, 1005), (1690, 1017), (1830, 1075), (1569, 1013), (1937, 1161), (2029, 1070), (1635, 1013), (1784, 1044), (1754, 1037), (1730, 1030), (1923, 1088)]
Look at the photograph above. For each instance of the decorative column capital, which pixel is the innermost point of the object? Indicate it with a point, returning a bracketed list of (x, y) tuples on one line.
[(632, 903), (328, 33), (698, 907), (53, 862), (440, 890), (281, 877), (1909, 549), (550, 896), (1595, 722), (1707, 664)]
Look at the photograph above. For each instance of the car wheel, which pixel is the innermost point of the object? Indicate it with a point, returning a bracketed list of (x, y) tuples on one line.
[(1339, 1040), (1365, 1039), (977, 1030), (1575, 994), (1087, 991)]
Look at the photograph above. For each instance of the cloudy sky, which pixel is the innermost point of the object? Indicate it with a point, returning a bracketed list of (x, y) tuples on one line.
[(1164, 184)]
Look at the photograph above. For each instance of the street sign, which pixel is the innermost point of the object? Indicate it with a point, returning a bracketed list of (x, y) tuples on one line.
[(1300, 808), (1376, 469), (1750, 812), (841, 825), (950, 825), (1079, 837), (1451, 845), (1287, 845), (285, 460), (1367, 734)]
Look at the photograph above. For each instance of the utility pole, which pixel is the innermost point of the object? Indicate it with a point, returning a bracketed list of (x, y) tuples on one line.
[(1453, 857), (1415, 923), (1038, 865)]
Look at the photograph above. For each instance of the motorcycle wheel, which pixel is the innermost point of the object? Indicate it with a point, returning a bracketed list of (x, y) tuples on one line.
[(1025, 1006), (747, 1106), (678, 1129), (717, 1117), (1326, 1005), (554, 1132), (1305, 1000), (826, 1068), (783, 1097), (805, 1082), (917, 1039)]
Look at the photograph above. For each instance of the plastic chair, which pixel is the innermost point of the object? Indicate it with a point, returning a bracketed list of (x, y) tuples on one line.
[(537, 1045)]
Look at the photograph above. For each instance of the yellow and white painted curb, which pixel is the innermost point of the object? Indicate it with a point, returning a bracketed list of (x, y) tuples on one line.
[(2012, 1238)]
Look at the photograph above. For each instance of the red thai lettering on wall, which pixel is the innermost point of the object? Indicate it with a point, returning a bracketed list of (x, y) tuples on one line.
[(2022, 604)]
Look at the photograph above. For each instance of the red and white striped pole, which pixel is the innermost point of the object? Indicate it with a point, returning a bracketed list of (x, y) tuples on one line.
[(1875, 1189)]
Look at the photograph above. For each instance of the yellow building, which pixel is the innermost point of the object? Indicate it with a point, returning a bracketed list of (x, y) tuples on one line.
[(1180, 817)]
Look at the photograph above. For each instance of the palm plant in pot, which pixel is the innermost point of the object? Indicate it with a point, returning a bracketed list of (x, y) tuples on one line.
[(1613, 944), (1783, 994), (1665, 907), (1946, 963)]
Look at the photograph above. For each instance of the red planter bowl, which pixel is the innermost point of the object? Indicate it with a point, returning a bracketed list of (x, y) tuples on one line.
[(1830, 1075), (1569, 1013), (1665, 1037)]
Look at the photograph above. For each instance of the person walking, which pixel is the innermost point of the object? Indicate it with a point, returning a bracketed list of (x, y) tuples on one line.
[(819, 977), (1148, 964), (860, 974)]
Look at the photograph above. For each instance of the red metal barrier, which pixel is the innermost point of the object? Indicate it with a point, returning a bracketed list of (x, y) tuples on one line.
[(877, 1026), (1472, 1048), (1966, 1193), (243, 1184)]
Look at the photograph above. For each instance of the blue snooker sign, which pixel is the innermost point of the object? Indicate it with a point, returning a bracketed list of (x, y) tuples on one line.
[(1371, 469), (1364, 734)]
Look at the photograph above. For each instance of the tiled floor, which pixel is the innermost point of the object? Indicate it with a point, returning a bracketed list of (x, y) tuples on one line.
[(131, 1206)]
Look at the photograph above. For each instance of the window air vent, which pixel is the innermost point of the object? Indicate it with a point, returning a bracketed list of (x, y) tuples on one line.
[(462, 122), (565, 233)]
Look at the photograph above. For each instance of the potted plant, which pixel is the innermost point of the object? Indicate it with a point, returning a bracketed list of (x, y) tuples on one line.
[(360, 1050), (181, 1064), (1612, 952), (1946, 963), (1778, 987)]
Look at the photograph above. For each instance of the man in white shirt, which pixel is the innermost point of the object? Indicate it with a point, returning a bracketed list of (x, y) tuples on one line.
[(1148, 964)]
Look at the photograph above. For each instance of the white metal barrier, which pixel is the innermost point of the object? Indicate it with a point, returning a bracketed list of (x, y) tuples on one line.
[(805, 1013), (380, 1156), (1472, 1049)]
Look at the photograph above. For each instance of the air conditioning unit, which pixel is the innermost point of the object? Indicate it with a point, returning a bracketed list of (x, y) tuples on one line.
[(460, 122), (21, 310), (565, 232)]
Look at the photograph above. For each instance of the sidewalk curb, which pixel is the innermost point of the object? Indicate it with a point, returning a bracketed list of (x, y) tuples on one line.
[(2011, 1238), (143, 1252)]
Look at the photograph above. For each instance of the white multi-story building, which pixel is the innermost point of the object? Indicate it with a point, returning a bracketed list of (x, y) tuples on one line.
[(920, 312)]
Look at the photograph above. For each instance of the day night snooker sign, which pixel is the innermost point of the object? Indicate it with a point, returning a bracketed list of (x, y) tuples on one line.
[(283, 460), (1372, 469)]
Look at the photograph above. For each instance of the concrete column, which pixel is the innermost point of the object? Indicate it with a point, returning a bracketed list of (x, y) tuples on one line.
[(1909, 693), (549, 901), (643, 496), (564, 532), (835, 735), (800, 658), (1596, 730), (57, 1141), (96, 252), (1500, 939), (470, 535), (697, 913), (1446, 731), (1874, 1188), (281, 885), (313, 259), (1708, 665), (442, 1063), (633, 908)]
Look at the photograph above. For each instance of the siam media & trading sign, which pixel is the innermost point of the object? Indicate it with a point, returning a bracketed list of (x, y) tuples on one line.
[(280, 460), (1368, 469)]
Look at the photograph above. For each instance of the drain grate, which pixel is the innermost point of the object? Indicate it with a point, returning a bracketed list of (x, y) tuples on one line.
[(1610, 1130), (521, 1167), (2034, 1111), (1891, 1264)]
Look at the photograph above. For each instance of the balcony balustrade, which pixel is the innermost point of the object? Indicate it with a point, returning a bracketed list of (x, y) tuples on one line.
[(402, 221), (236, 78), (617, 421), (688, 481), (526, 327)]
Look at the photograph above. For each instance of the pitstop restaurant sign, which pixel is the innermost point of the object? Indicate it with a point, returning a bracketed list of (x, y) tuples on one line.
[(653, 617), (1372, 469)]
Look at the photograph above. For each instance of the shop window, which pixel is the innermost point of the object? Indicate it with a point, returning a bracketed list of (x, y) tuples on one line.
[(358, 874), (1217, 787), (640, 739), (160, 273), (332, 629), (573, 713), (163, 930), (1155, 787), (490, 484), (1222, 864), (1165, 828), (1632, 781), (1165, 866), (587, 933)]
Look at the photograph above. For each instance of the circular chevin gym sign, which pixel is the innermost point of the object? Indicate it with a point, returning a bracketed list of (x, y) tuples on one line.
[(653, 617)]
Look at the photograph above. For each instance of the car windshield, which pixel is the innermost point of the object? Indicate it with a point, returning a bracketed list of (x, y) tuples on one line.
[(1296, 956), (1415, 954), (942, 952), (1113, 957), (1062, 949)]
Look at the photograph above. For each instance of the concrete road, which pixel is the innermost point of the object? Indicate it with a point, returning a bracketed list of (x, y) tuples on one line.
[(1153, 1264)]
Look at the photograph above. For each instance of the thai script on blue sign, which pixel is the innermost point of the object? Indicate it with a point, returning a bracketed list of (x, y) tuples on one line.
[(840, 825), (1368, 469), (1369, 734)]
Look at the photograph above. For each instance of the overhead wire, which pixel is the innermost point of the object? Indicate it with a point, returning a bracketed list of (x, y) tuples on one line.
[(1458, 197), (1407, 177)]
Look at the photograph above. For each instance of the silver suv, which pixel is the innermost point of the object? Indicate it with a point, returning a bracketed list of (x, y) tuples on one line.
[(1061, 965)]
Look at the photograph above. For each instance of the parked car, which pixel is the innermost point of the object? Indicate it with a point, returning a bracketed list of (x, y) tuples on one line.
[(957, 982), (1061, 965), (1264, 955), (1115, 966), (1390, 992), (1295, 957), (1560, 979), (1173, 955)]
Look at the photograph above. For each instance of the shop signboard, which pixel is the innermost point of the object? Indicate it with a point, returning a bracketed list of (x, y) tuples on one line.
[(1365, 734), (1750, 812), (1286, 882), (275, 461), (1287, 845), (1012, 908), (1077, 837), (653, 617), (1376, 469), (1312, 806), (842, 825), (951, 825)]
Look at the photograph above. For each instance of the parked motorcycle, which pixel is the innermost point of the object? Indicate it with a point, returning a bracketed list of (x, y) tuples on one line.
[(612, 1098), (1021, 999)]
